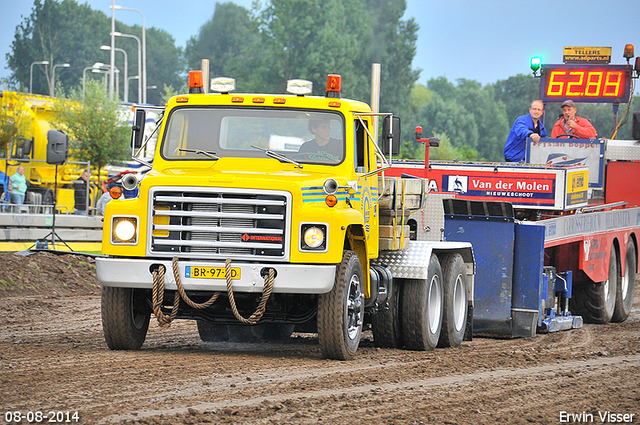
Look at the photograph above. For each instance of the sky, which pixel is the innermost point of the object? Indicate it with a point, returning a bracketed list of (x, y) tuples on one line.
[(482, 40)]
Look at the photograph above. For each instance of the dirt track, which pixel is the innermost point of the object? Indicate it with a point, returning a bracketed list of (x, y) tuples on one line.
[(53, 358)]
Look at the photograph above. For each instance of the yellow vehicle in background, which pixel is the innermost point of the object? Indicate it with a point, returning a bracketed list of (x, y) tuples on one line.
[(29, 117)]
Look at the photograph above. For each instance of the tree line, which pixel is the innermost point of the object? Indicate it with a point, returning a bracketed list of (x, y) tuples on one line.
[(265, 46)]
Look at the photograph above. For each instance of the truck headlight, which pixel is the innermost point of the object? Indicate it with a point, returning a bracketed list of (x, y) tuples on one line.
[(124, 230), (313, 237)]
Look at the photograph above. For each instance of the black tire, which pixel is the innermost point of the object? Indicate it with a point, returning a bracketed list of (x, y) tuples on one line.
[(595, 302), (385, 324), (47, 198), (246, 333), (123, 323), (422, 305), (341, 311), (454, 316), (626, 287), (212, 333), (278, 331)]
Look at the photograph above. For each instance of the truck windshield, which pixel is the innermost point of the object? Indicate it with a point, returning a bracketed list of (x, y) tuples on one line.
[(305, 136)]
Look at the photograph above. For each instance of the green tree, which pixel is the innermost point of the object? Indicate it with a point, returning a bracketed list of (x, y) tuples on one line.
[(57, 32), (94, 125), (394, 47), (223, 39), (517, 93), (66, 32), (489, 115)]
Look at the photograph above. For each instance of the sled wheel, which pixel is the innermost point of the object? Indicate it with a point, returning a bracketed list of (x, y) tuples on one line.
[(626, 286), (595, 302)]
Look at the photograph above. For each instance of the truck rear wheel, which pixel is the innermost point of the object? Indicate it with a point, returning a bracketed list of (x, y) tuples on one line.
[(626, 286), (385, 324), (454, 317), (212, 333), (422, 303), (595, 302), (341, 311), (124, 322)]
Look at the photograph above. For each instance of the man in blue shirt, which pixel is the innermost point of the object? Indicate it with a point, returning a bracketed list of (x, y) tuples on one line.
[(525, 126)]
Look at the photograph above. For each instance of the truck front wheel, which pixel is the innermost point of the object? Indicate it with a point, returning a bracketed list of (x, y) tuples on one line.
[(124, 321), (341, 311), (626, 286), (422, 304)]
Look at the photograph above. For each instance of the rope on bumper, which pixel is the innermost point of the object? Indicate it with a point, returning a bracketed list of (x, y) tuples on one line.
[(158, 296), (266, 292)]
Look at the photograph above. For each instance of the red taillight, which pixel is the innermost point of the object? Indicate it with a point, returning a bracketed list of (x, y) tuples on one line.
[(195, 82), (334, 85)]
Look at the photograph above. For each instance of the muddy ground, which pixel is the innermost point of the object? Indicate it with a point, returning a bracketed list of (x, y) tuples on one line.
[(53, 358)]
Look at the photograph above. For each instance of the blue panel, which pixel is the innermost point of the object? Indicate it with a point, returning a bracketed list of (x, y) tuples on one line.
[(492, 239), (528, 263)]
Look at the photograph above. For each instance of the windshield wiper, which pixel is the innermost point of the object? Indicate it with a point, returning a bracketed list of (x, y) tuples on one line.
[(211, 155), (278, 156)]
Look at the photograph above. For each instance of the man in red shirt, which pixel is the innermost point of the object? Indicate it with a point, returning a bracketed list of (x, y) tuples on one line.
[(570, 124)]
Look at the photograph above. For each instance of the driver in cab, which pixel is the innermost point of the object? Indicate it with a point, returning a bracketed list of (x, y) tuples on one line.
[(569, 124), (322, 147)]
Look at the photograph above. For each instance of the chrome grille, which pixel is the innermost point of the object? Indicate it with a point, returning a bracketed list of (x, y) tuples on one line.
[(219, 223)]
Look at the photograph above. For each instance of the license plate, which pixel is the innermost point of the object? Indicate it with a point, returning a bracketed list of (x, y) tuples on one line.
[(210, 272)]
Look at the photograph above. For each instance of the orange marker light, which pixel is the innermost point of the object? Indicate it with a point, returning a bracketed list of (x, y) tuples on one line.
[(331, 200), (334, 85), (115, 192), (195, 82), (334, 82)]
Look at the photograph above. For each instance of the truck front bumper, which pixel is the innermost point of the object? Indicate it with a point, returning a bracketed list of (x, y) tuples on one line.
[(290, 278)]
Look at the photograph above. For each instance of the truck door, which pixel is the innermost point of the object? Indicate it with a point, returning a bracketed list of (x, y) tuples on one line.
[(367, 186)]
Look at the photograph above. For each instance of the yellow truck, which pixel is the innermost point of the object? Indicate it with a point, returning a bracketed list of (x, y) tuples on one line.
[(30, 117), (263, 215)]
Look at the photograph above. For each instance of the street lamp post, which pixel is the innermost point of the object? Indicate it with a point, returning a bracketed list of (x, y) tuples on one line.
[(126, 70), (141, 93), (97, 67), (144, 51), (31, 73), (53, 76)]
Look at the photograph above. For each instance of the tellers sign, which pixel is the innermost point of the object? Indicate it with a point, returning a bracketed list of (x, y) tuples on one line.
[(585, 83)]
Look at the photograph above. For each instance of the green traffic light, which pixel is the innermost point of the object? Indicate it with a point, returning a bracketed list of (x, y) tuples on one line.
[(535, 64)]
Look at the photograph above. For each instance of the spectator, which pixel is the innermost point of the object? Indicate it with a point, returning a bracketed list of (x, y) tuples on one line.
[(80, 188), (18, 186), (523, 127), (570, 124), (5, 191)]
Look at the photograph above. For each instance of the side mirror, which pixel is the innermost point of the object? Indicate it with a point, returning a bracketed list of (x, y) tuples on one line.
[(137, 131), (635, 127), (390, 135)]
